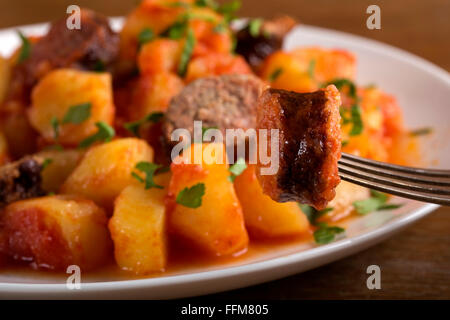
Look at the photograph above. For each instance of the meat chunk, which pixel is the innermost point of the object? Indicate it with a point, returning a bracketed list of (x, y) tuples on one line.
[(309, 144), (20, 180), (93, 46), (222, 102), (256, 45)]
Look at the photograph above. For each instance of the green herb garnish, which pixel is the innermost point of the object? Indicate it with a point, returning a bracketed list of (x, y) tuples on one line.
[(236, 169), (134, 126), (326, 234), (25, 50), (105, 133), (55, 125), (186, 53), (205, 129), (149, 169), (191, 197), (275, 74), (254, 27), (207, 3), (376, 202), (312, 68), (146, 35), (78, 113), (420, 132), (228, 9), (46, 163), (312, 214)]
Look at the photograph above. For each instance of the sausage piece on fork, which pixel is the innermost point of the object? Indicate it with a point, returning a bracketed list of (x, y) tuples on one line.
[(309, 144)]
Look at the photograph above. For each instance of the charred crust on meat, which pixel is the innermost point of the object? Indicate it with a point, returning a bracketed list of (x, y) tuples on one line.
[(95, 43), (21, 180), (309, 144), (255, 48)]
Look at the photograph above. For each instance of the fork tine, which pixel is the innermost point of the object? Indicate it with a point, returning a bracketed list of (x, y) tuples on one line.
[(402, 192), (392, 181), (398, 175), (397, 168)]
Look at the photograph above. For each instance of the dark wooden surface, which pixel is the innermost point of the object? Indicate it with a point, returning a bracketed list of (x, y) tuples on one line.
[(415, 263)]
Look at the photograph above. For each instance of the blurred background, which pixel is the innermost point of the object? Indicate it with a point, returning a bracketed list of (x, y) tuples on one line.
[(421, 27), (416, 262)]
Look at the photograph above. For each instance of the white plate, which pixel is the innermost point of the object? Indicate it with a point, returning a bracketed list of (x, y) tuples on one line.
[(422, 90)]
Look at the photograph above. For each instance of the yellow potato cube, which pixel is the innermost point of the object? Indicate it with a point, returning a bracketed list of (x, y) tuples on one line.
[(264, 217), (138, 229), (60, 165), (105, 170), (62, 89), (57, 231), (217, 225)]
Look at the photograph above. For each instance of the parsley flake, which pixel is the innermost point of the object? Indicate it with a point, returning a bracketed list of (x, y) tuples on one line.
[(236, 169), (420, 132), (55, 125), (134, 126), (376, 202), (186, 53), (78, 113), (275, 74), (105, 133), (146, 35), (191, 197), (46, 163), (25, 50), (254, 27), (149, 169), (326, 234)]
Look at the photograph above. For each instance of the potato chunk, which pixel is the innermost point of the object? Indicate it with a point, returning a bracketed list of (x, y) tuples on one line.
[(217, 226), (105, 170), (62, 89), (57, 231), (138, 228), (60, 164), (264, 217)]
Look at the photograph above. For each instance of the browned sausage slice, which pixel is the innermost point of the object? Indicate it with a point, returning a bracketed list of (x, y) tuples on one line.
[(20, 180), (309, 144)]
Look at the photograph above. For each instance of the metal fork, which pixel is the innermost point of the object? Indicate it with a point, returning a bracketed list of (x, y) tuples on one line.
[(428, 185)]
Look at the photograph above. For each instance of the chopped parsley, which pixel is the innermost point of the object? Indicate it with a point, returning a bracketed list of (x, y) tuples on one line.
[(134, 126), (186, 53), (352, 115), (205, 129), (105, 133), (312, 68), (236, 169), (275, 74), (207, 3), (146, 35), (149, 169), (55, 125), (326, 234), (25, 50), (99, 66), (421, 132), (228, 9), (78, 113), (254, 27), (46, 163), (191, 197), (376, 202)]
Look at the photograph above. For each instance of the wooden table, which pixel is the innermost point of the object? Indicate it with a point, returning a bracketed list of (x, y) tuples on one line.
[(414, 263)]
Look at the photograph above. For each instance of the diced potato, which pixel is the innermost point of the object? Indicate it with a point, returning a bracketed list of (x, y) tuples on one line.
[(57, 231), (5, 71), (4, 157), (60, 166), (160, 55), (156, 15), (265, 218), (342, 204), (216, 64), (138, 228), (61, 89), (217, 226), (305, 69), (153, 94), (105, 170)]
